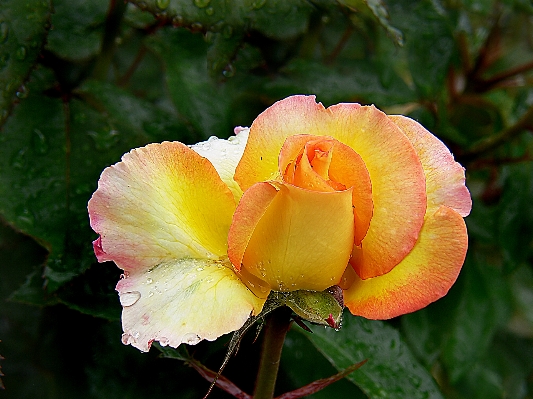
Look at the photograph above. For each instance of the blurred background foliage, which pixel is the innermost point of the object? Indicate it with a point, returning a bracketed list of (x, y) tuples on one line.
[(84, 81)]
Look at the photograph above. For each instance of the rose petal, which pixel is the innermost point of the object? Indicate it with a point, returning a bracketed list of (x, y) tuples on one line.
[(424, 276), (347, 168), (445, 178), (398, 185), (183, 301), (291, 116), (301, 239), (162, 202), (225, 155)]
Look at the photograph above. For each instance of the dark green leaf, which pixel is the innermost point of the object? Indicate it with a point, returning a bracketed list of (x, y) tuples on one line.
[(391, 370), (274, 18), (78, 28), (484, 305), (302, 364), (428, 40), (23, 26), (203, 103), (47, 176), (351, 81)]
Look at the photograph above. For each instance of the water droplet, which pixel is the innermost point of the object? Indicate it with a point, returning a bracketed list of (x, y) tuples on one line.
[(257, 4), (127, 339), (325, 19), (3, 60), (163, 4), (129, 298), (227, 32), (177, 20), (209, 36), (197, 26), (19, 160), (209, 10), (164, 341), (202, 3), (4, 32), (229, 71), (22, 92), (21, 53), (150, 294), (199, 269), (191, 339), (103, 139), (135, 334), (26, 217), (39, 142), (149, 280)]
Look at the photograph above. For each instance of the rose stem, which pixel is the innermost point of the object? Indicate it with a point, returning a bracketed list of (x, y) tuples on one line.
[(277, 325)]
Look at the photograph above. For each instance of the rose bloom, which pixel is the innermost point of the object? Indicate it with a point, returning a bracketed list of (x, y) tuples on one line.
[(308, 197)]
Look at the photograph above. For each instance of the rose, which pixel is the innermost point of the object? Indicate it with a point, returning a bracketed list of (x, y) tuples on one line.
[(307, 198)]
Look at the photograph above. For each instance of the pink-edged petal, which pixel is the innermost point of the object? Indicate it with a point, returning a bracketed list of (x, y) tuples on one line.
[(161, 202), (398, 185), (288, 117), (424, 276), (225, 155), (183, 301), (445, 178)]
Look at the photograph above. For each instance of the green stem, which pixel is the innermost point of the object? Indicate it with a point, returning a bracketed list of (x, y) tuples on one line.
[(277, 325)]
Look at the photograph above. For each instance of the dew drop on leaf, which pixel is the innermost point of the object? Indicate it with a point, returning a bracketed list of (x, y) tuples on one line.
[(4, 32), (163, 4), (21, 53), (202, 3)]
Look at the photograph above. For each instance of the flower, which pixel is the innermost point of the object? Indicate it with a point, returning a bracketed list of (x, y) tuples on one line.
[(307, 198)]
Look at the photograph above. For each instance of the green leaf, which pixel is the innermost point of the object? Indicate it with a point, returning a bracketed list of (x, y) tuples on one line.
[(23, 26), (515, 216), (78, 28), (277, 19), (428, 40), (204, 104), (352, 80), (391, 371), (301, 364), (484, 305), (52, 155)]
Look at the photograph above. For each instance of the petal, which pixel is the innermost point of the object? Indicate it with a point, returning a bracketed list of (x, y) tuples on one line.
[(161, 202), (291, 116), (424, 276), (445, 178), (183, 301), (302, 240), (225, 155), (398, 185), (346, 167)]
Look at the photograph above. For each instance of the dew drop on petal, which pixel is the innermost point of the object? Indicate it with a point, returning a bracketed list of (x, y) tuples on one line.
[(191, 339), (129, 298), (149, 280), (164, 341)]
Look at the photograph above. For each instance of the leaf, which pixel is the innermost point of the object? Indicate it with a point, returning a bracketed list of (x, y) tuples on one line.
[(380, 13), (301, 363), (428, 40), (352, 80), (78, 28), (23, 27), (52, 155), (515, 216), (197, 98), (483, 306), (391, 371), (277, 19)]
